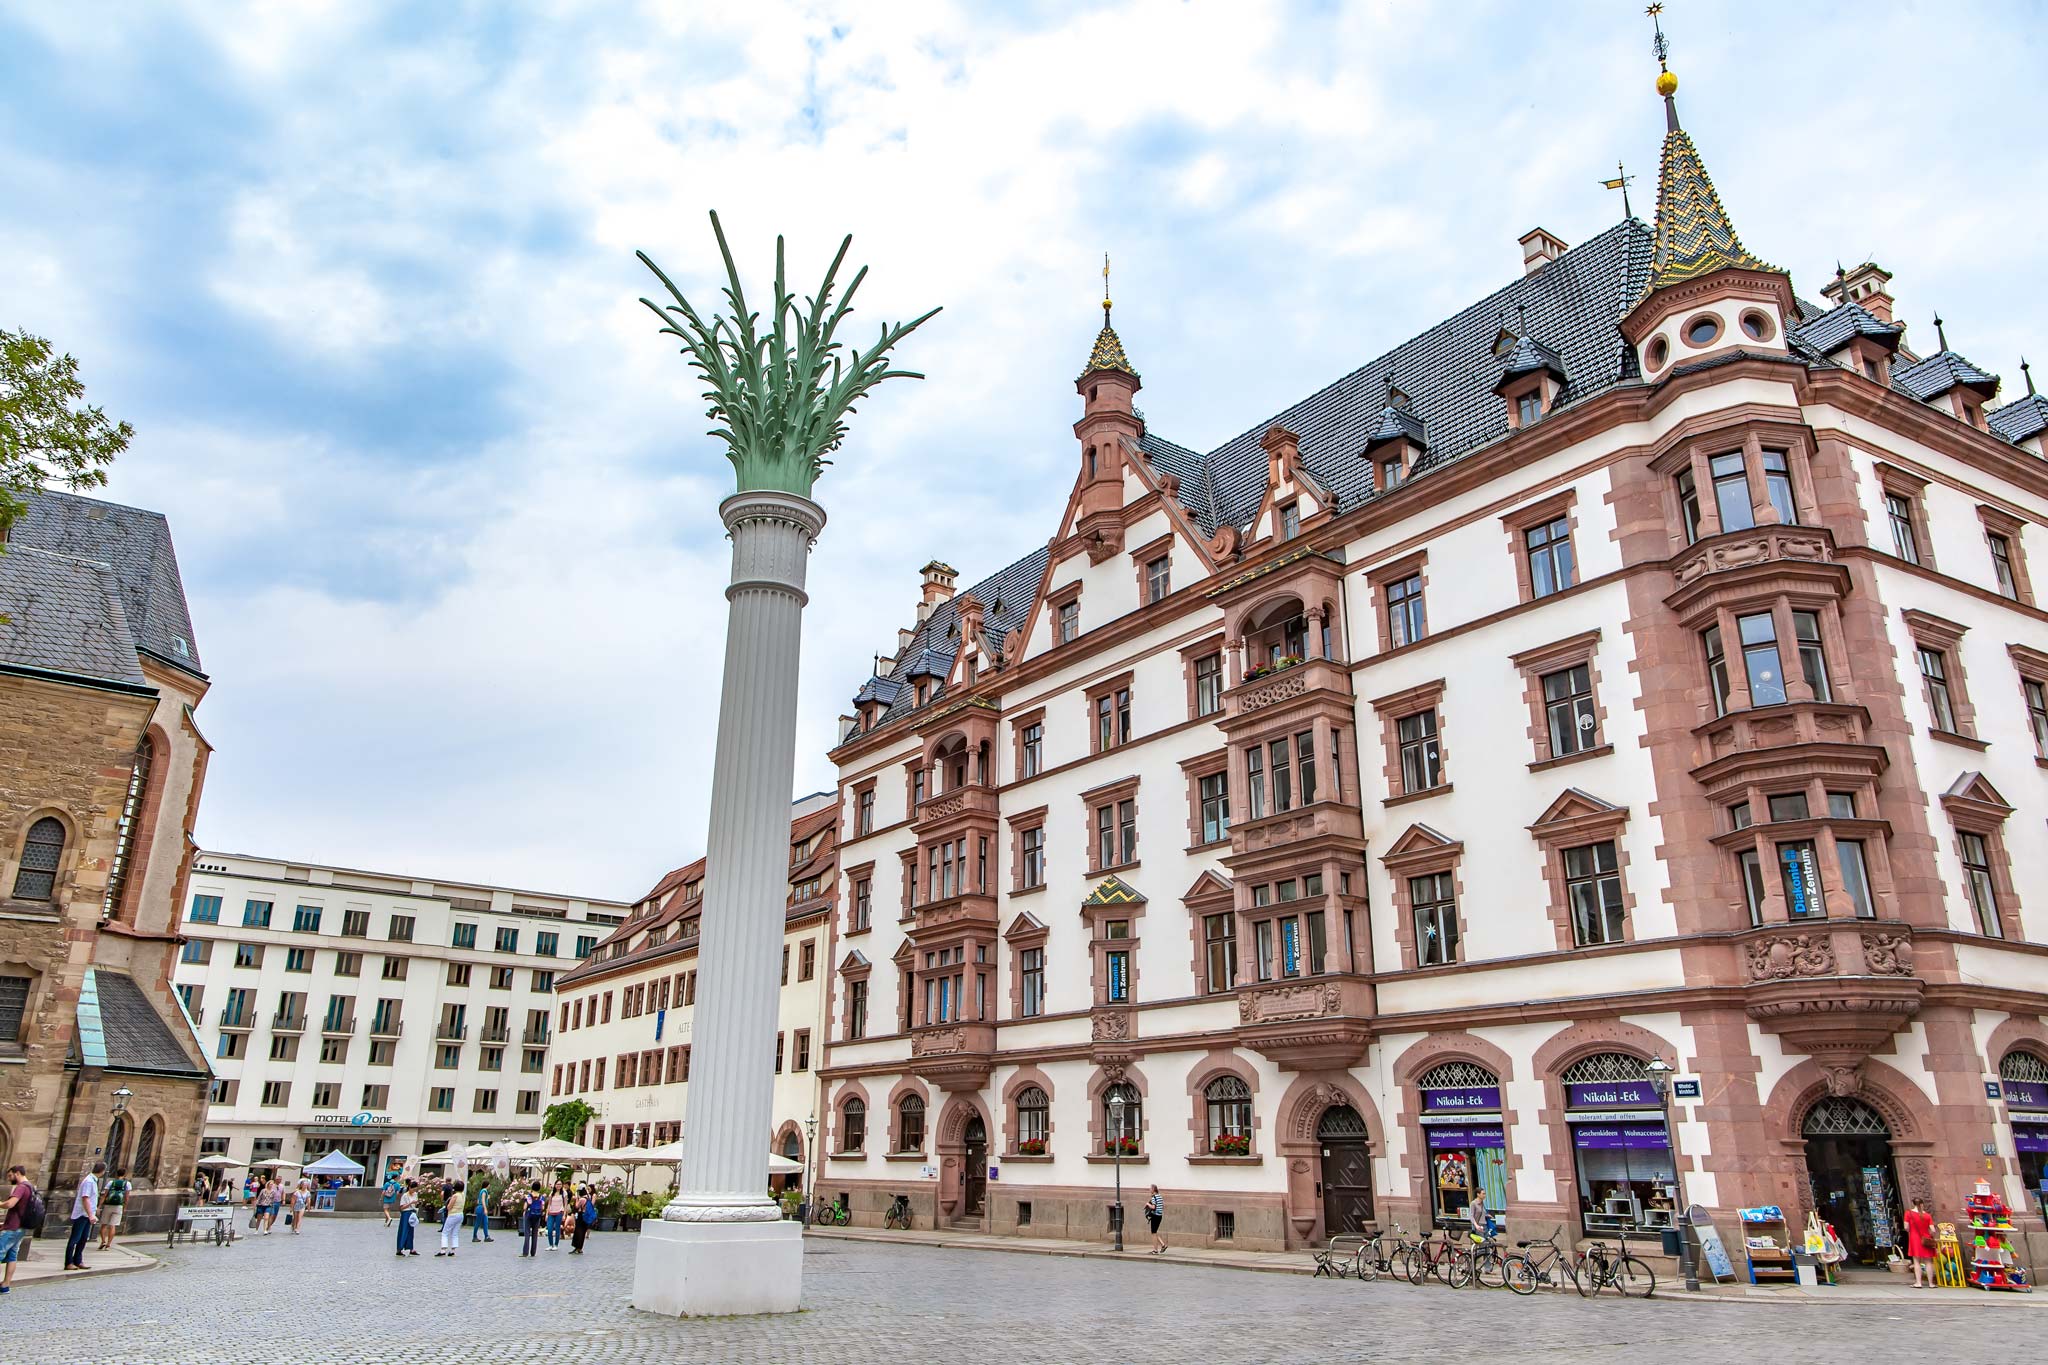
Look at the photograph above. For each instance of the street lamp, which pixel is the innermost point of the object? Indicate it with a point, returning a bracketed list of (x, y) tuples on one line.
[(121, 1098), (1116, 1149), (1660, 1081), (810, 1164)]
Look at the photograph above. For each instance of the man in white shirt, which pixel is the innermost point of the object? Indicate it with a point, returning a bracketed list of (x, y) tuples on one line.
[(85, 1210)]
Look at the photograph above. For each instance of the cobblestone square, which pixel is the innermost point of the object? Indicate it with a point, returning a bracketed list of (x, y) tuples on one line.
[(338, 1294)]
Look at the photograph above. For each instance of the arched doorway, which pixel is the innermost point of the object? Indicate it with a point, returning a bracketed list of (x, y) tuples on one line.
[(1347, 1170), (974, 1164), (1849, 1170)]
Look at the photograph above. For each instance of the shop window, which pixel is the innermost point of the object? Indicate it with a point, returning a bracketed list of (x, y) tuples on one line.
[(1463, 1131), (1626, 1179), (2023, 1078)]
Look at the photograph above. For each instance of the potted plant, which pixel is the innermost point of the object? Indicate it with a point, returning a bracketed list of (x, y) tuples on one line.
[(1231, 1144), (1031, 1147), (1120, 1146), (789, 1199), (611, 1199)]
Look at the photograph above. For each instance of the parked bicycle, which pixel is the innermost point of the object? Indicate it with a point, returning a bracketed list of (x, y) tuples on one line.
[(1602, 1269), (1439, 1255), (1540, 1265), (1489, 1264), (832, 1215), (1382, 1255), (898, 1215)]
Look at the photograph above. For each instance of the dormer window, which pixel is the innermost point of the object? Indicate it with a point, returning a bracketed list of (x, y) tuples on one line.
[(923, 692), (1392, 474), (1529, 408), (1290, 521)]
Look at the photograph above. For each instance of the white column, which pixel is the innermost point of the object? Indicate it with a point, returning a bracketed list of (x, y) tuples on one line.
[(722, 1246)]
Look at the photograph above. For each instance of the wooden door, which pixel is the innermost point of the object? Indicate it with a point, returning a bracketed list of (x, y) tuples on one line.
[(974, 1179)]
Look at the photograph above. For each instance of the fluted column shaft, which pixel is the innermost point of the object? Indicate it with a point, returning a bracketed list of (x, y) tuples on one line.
[(746, 879)]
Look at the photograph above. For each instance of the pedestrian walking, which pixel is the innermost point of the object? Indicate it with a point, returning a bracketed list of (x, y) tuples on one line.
[(480, 1203), (1920, 1245), (302, 1199), (392, 1189), (585, 1210), (530, 1219), (85, 1210), (408, 1217), (112, 1205), (558, 1204), (266, 1205), (1155, 1214), (14, 1226), (451, 1219)]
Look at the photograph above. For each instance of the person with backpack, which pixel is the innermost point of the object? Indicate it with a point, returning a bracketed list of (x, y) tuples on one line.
[(24, 1219), (111, 1209), (531, 1219)]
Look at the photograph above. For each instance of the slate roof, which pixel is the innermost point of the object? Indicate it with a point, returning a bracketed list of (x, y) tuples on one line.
[(2019, 419), (1397, 424), (1835, 328), (119, 1029), (136, 544), (64, 616), (1939, 373), (1006, 599), (1529, 355)]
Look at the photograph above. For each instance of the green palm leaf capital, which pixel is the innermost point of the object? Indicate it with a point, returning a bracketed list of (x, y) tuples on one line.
[(779, 396)]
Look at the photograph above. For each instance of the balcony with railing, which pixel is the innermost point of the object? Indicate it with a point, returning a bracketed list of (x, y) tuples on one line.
[(494, 1033), (237, 1021), (338, 1026), (451, 1031), (287, 1023), (381, 1027), (537, 1036)]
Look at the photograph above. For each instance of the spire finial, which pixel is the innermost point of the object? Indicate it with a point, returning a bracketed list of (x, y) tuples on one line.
[(1105, 289), (1667, 84), (1940, 332), (2027, 370)]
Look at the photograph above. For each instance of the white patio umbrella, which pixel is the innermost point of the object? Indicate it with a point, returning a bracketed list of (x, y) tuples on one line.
[(276, 1162), (218, 1159), (627, 1156), (673, 1151), (437, 1159), (555, 1151)]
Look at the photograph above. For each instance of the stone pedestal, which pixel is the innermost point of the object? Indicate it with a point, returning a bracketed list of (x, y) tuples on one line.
[(722, 1247), (701, 1270)]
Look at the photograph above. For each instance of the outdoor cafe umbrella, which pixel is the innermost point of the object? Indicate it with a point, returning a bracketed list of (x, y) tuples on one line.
[(276, 1161), (673, 1151), (555, 1152), (217, 1159)]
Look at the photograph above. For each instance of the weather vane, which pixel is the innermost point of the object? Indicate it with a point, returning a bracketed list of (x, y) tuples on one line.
[(1660, 46), (1105, 289), (1620, 182)]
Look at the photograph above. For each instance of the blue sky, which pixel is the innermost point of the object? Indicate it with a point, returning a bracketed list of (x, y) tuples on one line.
[(362, 276)]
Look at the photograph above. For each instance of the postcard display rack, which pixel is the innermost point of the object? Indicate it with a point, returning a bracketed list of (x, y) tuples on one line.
[(1994, 1261), (1768, 1243)]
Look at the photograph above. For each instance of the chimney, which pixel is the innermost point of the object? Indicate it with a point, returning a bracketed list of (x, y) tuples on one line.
[(1539, 248), (1865, 285), (938, 587), (847, 725), (1283, 453), (970, 609), (904, 635)]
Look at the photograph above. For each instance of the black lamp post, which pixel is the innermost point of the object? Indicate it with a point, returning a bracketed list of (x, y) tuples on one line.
[(1660, 1080), (810, 1165), (1116, 1149)]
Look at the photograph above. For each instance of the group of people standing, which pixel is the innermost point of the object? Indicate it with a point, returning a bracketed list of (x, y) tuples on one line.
[(556, 1212)]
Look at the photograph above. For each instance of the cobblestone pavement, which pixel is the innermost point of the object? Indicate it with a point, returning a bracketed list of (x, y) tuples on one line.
[(338, 1294)]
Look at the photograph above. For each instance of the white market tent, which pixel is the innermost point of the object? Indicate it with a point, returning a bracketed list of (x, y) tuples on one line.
[(335, 1163)]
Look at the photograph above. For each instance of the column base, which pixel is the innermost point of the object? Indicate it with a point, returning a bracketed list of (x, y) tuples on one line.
[(704, 1270)]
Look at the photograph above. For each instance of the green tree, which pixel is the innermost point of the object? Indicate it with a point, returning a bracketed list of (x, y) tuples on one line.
[(47, 432), (566, 1119)]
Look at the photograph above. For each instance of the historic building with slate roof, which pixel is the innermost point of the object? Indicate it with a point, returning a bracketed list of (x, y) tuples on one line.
[(1627, 692), (101, 766)]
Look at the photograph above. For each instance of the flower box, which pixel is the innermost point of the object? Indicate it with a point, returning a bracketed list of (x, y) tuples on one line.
[(1031, 1147), (1231, 1144), (1123, 1146)]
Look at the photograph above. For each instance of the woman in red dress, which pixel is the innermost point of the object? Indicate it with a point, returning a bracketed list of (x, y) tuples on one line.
[(1920, 1245)]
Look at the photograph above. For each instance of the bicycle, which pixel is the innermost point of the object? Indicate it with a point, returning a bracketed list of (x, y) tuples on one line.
[(1438, 1255), (898, 1215), (1340, 1257), (1627, 1276), (1532, 1269), (832, 1215), (1489, 1264), (1377, 1257)]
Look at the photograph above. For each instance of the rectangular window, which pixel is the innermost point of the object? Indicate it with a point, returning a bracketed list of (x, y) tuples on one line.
[(348, 964), (248, 955), (857, 1009), (230, 1045), (1421, 756), (400, 929), (441, 1099), (1255, 771), (1689, 505), (1318, 941), (1405, 623), (1592, 884), (1568, 710), (508, 939), (1032, 862), (256, 914), (298, 959), (1752, 872), (394, 969), (1305, 764), (802, 1060), (1262, 939), (306, 919), (1813, 660), (1855, 877), (544, 944), (276, 1094), (807, 960), (1778, 487), (1799, 871), (326, 1094), (195, 950), (376, 1096), (1731, 492), (1290, 521), (1117, 963), (1069, 622), (458, 973), (490, 1059), (1551, 567), (355, 924), (1215, 801), (1392, 474), (1158, 576), (1940, 702), (1717, 668), (1127, 831), (1219, 944), (1898, 510), (2037, 714), (1787, 806), (383, 1051), (863, 902), (1977, 877), (1434, 901), (1760, 660), (864, 812), (284, 1047), (501, 978), (205, 910), (464, 935), (1033, 757), (1105, 836), (1208, 685), (585, 945), (2001, 565), (1529, 409)]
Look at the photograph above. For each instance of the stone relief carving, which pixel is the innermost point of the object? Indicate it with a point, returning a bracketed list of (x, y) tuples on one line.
[(1775, 959), (1842, 1081), (1111, 1025), (1888, 954), (1292, 685), (1277, 1004), (949, 806), (938, 1042), (1310, 1112)]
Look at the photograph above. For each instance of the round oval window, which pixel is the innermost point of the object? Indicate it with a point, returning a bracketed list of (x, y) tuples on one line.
[(1757, 326), (1659, 353), (1700, 331)]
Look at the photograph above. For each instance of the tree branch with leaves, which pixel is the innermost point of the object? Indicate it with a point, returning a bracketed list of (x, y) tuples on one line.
[(780, 396), (48, 435)]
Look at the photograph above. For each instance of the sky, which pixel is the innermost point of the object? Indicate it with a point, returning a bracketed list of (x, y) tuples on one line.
[(363, 278)]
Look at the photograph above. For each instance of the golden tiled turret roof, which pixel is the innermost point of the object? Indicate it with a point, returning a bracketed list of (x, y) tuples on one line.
[(1694, 235), (1109, 351)]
